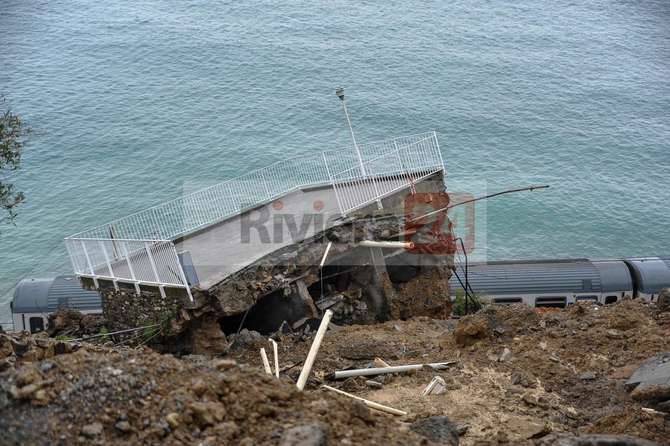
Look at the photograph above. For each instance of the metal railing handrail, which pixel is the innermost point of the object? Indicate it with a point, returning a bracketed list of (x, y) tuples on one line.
[(245, 177), (371, 160)]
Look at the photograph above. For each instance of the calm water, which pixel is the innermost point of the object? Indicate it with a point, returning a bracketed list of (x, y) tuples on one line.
[(132, 102)]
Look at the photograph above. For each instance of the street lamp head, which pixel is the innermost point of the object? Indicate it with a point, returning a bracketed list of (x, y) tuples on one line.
[(340, 93)]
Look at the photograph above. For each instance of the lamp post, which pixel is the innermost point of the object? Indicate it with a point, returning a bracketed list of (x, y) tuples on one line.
[(340, 94)]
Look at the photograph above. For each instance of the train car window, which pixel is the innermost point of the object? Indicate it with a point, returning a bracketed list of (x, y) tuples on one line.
[(507, 300), (36, 324), (610, 299), (587, 298), (551, 301)]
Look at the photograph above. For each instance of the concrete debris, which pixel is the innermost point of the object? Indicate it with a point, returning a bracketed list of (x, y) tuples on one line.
[(92, 430), (651, 381), (437, 386)]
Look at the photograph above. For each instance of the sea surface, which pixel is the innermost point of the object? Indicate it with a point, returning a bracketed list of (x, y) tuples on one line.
[(132, 102)]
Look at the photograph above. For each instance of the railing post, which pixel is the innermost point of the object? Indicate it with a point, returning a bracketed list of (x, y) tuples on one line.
[(332, 182), (181, 273), (90, 265), (439, 152), (153, 268), (412, 188), (109, 264), (124, 245)]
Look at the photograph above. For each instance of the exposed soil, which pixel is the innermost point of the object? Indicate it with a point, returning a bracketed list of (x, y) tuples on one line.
[(563, 371)]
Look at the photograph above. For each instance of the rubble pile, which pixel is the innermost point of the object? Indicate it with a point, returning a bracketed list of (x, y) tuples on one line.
[(99, 395), (508, 375), (72, 323), (17, 348), (520, 374)]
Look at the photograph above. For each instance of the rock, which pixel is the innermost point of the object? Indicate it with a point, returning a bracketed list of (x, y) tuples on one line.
[(663, 300), (374, 384), (525, 428), (651, 392), (470, 330), (92, 430), (28, 375), (651, 381), (506, 355), (614, 334), (40, 398), (523, 379), (247, 338), (6, 348), (438, 429), (207, 338), (587, 376), (207, 413), (123, 426), (173, 420), (306, 435), (224, 364)]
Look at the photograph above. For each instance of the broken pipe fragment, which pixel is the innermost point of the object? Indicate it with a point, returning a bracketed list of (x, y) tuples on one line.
[(266, 363), (313, 350), (370, 404), (393, 369)]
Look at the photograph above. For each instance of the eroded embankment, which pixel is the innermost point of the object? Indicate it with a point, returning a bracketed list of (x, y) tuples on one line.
[(520, 377)]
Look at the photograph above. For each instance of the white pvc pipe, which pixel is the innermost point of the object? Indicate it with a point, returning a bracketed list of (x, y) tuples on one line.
[(313, 350), (393, 369), (266, 363), (387, 244), (274, 351), (370, 404), (325, 254)]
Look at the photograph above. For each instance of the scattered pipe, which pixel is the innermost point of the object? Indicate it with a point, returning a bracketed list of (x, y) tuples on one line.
[(393, 369), (386, 244), (313, 350), (266, 363), (325, 254), (276, 357), (370, 404)]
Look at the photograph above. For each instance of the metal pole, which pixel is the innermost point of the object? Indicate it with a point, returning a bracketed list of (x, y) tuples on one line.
[(340, 94)]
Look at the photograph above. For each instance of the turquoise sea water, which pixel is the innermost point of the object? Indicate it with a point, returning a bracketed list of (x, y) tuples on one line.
[(133, 101)]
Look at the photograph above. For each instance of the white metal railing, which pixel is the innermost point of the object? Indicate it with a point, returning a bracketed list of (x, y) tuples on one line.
[(147, 262), (139, 248), (395, 169)]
